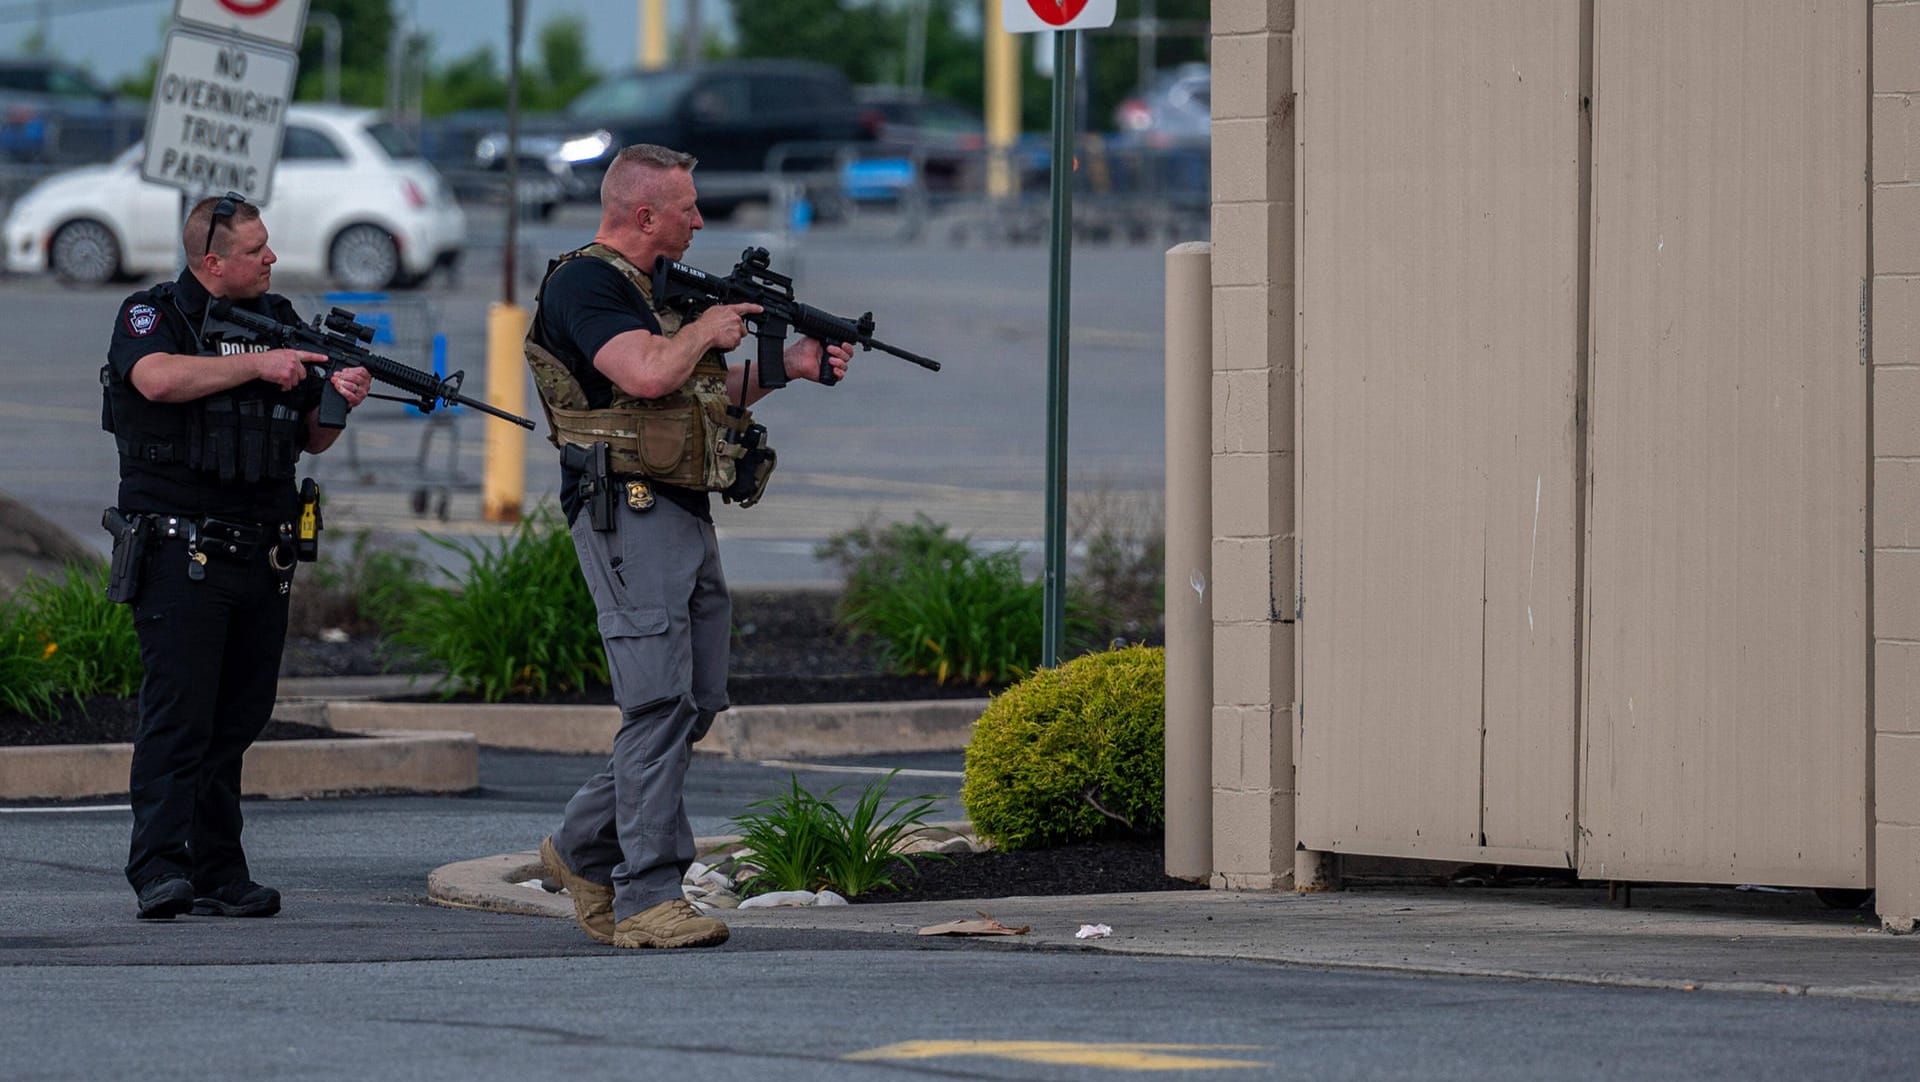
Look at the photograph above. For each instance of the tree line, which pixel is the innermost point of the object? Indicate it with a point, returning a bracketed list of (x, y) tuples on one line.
[(867, 39)]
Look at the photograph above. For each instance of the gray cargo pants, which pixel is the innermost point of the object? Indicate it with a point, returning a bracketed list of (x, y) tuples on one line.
[(665, 619)]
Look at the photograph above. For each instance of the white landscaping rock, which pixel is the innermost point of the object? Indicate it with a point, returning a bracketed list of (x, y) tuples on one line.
[(778, 898), (827, 897)]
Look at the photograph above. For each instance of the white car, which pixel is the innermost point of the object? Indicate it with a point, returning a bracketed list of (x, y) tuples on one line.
[(352, 201)]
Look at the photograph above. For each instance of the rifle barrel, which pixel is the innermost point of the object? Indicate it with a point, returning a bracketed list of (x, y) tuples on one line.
[(927, 363)]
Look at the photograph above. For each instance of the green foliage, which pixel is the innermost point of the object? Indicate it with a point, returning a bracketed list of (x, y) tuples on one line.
[(27, 682), (521, 621), (1072, 753), (61, 638), (975, 619), (472, 81), (1117, 578), (871, 556), (864, 38), (556, 72), (802, 842), (789, 839), (937, 607), (564, 69), (366, 32), (360, 591), (89, 642)]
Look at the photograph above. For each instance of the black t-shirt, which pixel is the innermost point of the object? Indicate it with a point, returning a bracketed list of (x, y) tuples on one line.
[(583, 306), (157, 320)]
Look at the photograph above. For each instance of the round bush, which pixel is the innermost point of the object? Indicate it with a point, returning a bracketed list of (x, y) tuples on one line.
[(1056, 749)]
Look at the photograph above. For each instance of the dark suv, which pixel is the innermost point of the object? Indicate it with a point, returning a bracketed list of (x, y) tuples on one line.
[(55, 112), (729, 114)]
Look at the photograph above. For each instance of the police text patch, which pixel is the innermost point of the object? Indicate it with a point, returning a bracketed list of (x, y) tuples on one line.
[(141, 319)]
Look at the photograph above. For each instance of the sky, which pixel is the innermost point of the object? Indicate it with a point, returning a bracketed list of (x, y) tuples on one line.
[(114, 37)]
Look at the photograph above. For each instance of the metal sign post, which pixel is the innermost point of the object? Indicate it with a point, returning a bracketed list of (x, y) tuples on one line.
[(1053, 621), (1068, 17)]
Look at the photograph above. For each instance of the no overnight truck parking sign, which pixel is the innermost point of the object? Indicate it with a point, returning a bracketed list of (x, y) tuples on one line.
[(219, 102)]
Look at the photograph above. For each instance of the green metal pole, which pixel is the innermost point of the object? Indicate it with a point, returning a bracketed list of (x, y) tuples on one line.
[(1054, 619)]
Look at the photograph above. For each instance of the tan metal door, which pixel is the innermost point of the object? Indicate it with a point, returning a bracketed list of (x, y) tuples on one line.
[(1440, 282), (1725, 724)]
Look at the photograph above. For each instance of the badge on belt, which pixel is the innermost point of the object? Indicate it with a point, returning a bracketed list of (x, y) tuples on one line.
[(639, 496)]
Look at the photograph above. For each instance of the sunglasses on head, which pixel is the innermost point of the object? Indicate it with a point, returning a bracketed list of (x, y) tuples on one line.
[(225, 208)]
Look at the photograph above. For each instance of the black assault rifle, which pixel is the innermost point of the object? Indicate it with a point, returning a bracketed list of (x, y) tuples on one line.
[(691, 291), (343, 343)]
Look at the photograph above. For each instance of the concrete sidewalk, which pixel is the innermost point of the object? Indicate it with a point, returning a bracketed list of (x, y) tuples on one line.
[(1688, 938)]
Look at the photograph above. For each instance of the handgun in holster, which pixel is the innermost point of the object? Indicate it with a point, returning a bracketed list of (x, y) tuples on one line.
[(307, 531), (129, 553), (595, 486)]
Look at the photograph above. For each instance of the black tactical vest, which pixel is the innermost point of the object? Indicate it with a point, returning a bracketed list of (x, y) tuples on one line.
[(242, 436)]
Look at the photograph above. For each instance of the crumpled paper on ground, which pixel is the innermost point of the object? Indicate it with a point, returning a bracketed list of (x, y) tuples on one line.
[(1093, 931), (986, 925)]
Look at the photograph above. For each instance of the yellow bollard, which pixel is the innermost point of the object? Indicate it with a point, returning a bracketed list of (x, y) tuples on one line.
[(505, 485), (1003, 102), (653, 34)]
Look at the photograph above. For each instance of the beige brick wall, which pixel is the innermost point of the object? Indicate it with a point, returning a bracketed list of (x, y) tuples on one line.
[(1253, 432), (1895, 236)]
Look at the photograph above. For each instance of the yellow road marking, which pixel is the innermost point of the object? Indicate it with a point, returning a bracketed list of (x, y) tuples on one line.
[(1118, 1057)]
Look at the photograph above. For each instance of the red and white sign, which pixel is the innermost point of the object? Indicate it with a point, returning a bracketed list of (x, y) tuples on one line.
[(1030, 16), (274, 22)]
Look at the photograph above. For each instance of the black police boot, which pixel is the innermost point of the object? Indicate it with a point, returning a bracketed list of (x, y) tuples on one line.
[(166, 898), (241, 899)]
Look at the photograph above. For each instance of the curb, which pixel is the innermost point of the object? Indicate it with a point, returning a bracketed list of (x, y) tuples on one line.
[(384, 761), (742, 732)]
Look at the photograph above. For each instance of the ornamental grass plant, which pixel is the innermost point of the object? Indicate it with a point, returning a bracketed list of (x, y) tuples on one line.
[(519, 621), (27, 684), (89, 641), (937, 607), (61, 638), (797, 841)]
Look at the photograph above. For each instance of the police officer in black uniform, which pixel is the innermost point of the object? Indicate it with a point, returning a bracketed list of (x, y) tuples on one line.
[(209, 430)]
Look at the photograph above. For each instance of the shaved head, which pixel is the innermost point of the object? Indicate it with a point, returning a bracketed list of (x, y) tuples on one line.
[(648, 205), (636, 176)]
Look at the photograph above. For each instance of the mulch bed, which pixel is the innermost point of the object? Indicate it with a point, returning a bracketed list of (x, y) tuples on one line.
[(112, 721), (1113, 866)]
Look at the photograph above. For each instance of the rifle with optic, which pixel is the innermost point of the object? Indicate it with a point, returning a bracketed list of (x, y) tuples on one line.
[(342, 341), (691, 291)]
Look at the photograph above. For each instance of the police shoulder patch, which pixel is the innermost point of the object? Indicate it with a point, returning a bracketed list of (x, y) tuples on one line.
[(141, 320)]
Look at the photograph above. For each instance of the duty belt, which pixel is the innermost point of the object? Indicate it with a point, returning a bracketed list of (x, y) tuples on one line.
[(229, 539)]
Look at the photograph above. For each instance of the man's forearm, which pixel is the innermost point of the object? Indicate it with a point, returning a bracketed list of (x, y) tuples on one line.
[(175, 377)]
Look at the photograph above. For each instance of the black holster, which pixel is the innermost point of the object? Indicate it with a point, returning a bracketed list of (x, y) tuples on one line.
[(753, 468), (596, 481), (129, 554)]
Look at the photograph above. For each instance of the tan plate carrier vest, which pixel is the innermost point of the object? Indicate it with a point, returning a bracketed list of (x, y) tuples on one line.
[(681, 438)]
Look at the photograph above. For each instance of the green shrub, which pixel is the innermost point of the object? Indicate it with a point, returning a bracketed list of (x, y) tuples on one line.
[(89, 641), (975, 619), (1072, 753), (802, 842), (27, 684), (520, 621)]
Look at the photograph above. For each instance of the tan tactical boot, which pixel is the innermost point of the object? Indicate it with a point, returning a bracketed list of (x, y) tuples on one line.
[(592, 903), (672, 923)]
